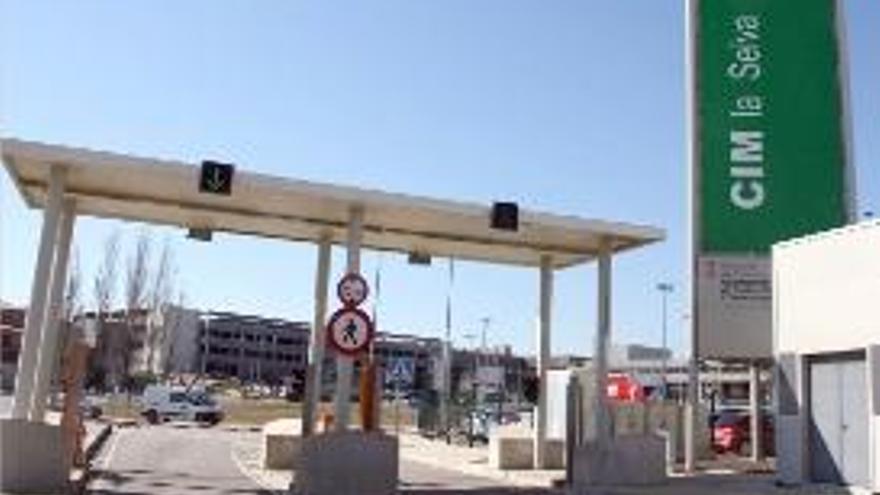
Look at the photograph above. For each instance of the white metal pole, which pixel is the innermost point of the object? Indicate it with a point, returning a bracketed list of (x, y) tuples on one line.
[(691, 8), (316, 343), (843, 67), (755, 406), (663, 347), (603, 336), (47, 355), (544, 321), (445, 396), (344, 364), (27, 359)]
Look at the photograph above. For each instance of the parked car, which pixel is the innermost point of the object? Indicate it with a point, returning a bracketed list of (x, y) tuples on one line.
[(166, 402), (731, 432), (90, 407)]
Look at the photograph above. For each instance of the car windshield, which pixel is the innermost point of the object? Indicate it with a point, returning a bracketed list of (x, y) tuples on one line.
[(201, 399), (729, 418)]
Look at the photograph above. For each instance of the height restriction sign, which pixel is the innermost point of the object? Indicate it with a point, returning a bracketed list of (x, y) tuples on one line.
[(350, 331)]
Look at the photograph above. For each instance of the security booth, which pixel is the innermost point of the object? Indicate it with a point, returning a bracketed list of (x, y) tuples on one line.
[(213, 196), (827, 349)]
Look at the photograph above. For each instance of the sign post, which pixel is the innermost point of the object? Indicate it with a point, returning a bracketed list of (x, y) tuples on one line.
[(769, 159), (350, 332)]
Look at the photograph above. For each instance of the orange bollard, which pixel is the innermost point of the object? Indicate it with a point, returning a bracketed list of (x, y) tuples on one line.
[(368, 395)]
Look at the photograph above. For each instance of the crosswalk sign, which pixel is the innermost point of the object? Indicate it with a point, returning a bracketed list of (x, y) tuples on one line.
[(401, 372)]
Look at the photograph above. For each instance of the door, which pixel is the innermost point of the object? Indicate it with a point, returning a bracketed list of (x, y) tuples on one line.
[(854, 416), (838, 434)]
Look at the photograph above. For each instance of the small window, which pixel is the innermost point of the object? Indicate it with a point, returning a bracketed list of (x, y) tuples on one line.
[(177, 397)]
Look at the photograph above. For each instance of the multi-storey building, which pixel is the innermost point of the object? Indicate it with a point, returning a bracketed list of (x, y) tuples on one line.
[(252, 348), (495, 371)]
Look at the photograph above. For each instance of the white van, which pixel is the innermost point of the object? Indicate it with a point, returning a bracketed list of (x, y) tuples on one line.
[(167, 402)]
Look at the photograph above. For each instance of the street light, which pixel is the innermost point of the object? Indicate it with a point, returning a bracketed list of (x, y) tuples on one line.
[(665, 289)]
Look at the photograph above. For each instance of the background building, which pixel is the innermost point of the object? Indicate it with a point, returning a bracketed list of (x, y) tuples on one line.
[(11, 328), (252, 348)]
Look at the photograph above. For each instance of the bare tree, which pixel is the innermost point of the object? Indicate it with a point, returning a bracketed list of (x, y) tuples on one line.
[(104, 293), (159, 298), (137, 278), (170, 327), (73, 290), (72, 307)]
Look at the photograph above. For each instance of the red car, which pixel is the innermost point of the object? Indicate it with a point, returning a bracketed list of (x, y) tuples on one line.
[(731, 432)]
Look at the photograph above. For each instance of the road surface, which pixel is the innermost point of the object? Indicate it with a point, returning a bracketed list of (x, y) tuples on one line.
[(170, 459), (421, 479)]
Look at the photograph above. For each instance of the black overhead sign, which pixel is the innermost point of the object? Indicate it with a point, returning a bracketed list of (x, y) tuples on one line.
[(505, 216), (216, 178)]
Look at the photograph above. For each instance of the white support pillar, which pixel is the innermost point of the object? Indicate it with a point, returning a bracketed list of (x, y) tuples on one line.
[(544, 319), (316, 344), (27, 359), (47, 356), (692, 409), (755, 410), (345, 364), (601, 413)]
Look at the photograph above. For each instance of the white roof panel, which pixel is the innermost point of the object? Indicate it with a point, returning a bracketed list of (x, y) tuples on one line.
[(112, 185)]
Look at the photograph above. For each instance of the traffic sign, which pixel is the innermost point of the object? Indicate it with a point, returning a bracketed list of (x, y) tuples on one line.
[(352, 290), (350, 331), (216, 178), (401, 372)]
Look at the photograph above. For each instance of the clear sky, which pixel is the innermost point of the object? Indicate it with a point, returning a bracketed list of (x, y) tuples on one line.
[(568, 106)]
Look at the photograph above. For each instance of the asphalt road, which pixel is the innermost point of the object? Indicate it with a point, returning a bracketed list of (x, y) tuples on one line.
[(422, 479), (170, 459), (179, 459)]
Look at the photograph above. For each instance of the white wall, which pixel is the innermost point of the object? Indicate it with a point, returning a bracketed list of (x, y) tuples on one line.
[(826, 298), (826, 291)]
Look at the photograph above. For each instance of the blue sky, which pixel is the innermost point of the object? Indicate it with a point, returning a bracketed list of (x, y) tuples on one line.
[(569, 106)]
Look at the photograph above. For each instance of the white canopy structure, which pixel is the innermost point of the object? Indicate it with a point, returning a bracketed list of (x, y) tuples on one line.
[(67, 182), (166, 192)]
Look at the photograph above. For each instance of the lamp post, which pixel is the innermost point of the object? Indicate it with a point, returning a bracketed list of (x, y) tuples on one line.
[(665, 289)]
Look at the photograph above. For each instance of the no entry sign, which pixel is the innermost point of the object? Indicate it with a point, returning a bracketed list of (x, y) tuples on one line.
[(350, 331)]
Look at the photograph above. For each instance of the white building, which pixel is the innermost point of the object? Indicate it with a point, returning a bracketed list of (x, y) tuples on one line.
[(827, 347)]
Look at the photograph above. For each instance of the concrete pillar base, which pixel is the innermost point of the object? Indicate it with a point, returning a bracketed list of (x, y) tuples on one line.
[(628, 460), (513, 447), (282, 444), (31, 459), (348, 463)]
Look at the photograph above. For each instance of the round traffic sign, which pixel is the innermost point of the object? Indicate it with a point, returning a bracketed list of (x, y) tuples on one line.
[(352, 290), (350, 331)]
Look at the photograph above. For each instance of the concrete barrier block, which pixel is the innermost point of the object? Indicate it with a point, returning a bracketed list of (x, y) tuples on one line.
[(511, 452), (512, 447), (282, 444), (348, 463), (629, 460), (32, 460)]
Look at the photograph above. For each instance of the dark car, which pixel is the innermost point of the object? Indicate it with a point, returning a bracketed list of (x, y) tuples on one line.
[(731, 432)]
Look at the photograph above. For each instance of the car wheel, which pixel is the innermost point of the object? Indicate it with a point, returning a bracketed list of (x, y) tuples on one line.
[(152, 417)]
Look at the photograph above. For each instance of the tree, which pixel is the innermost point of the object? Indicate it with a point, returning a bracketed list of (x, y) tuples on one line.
[(137, 276), (171, 323), (159, 322), (73, 290), (104, 293)]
